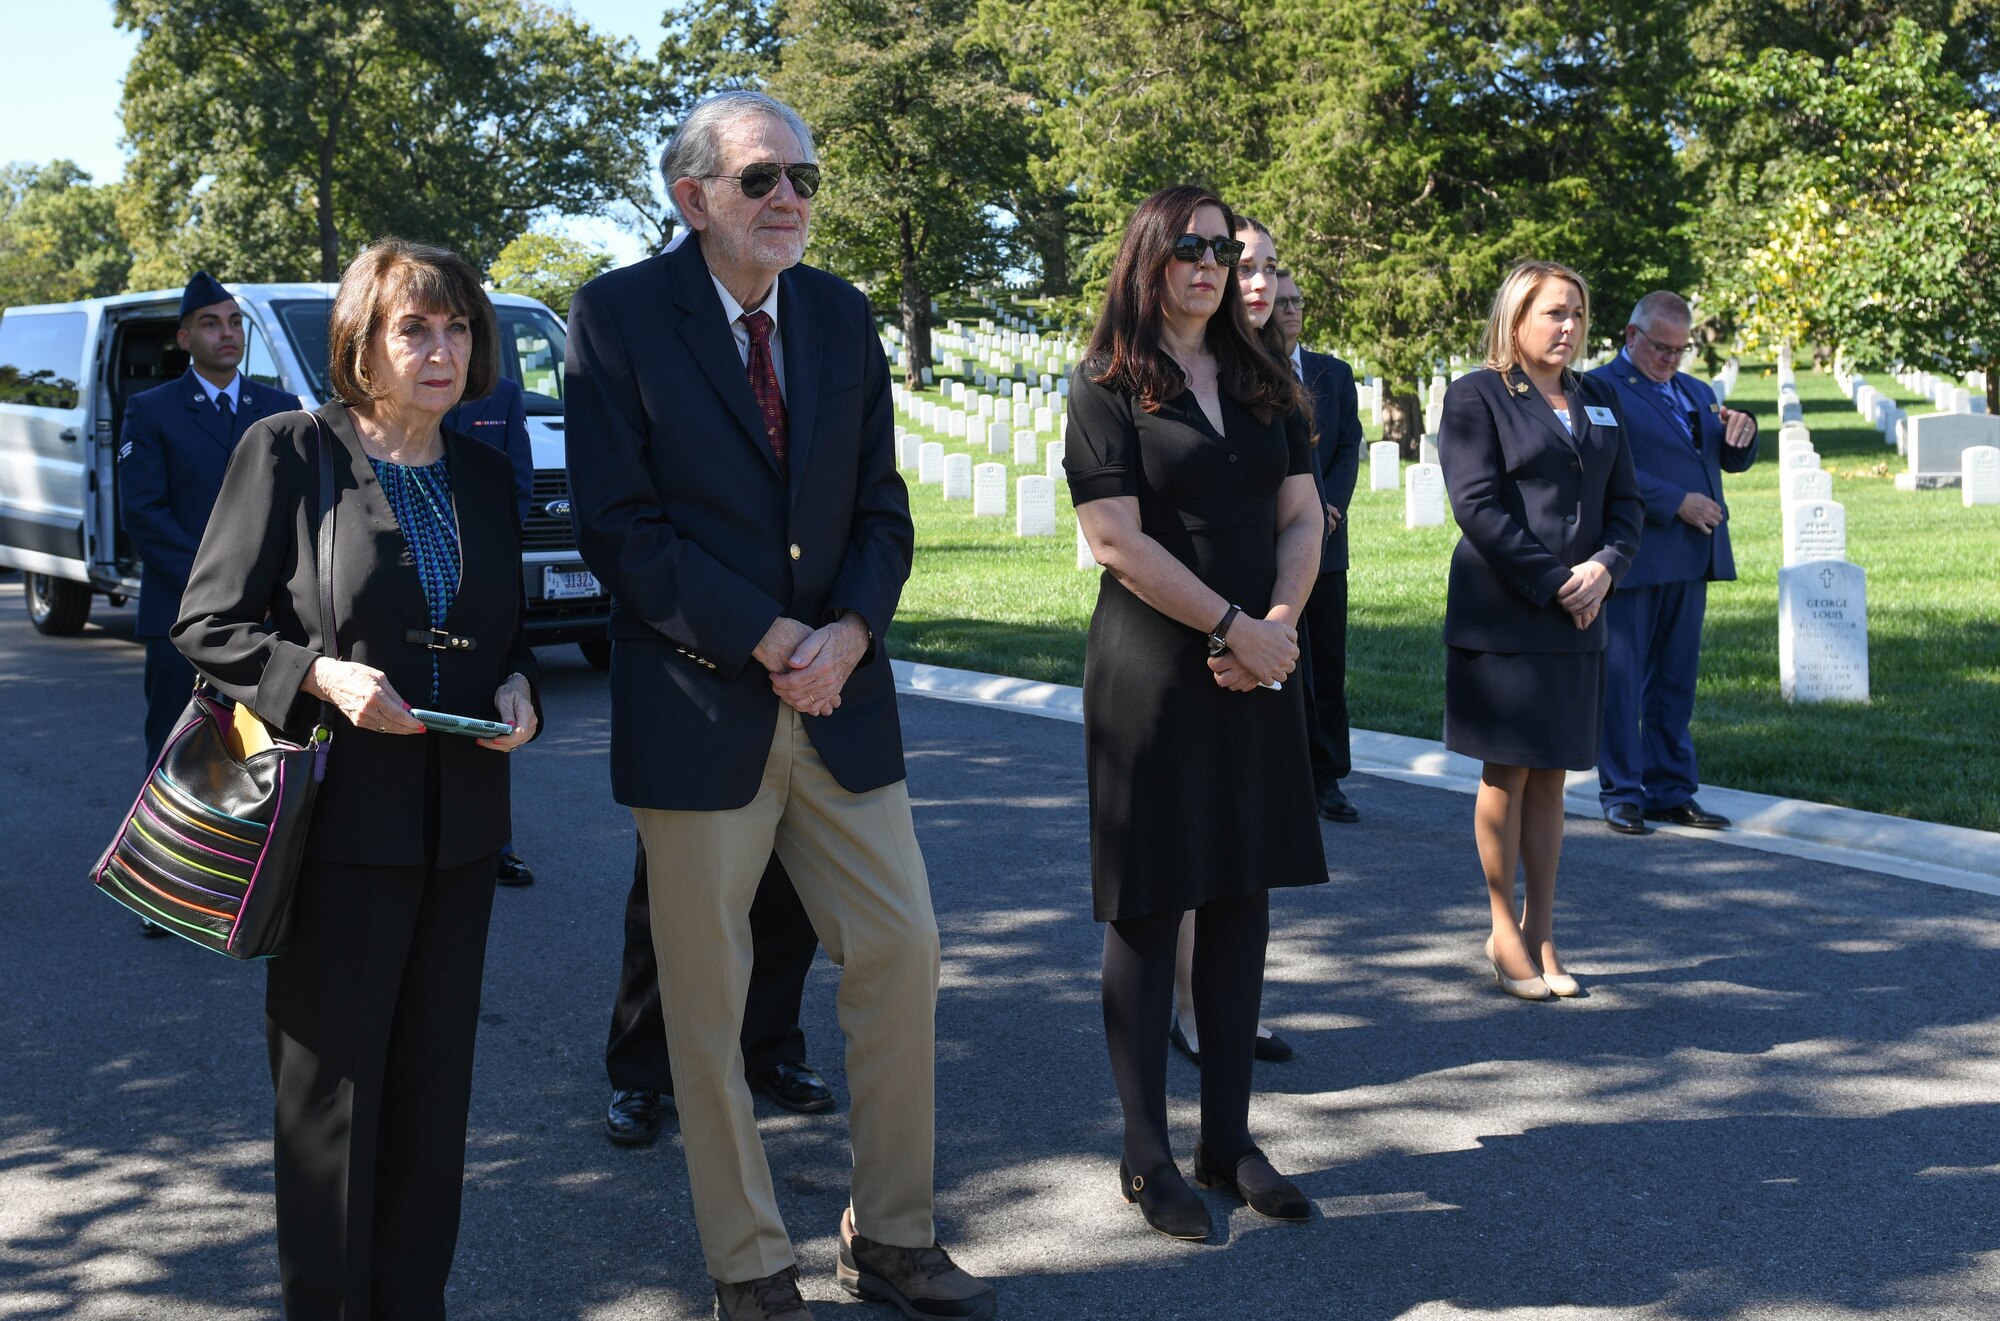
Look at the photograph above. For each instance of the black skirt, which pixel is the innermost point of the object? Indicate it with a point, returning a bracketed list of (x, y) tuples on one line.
[(1543, 710)]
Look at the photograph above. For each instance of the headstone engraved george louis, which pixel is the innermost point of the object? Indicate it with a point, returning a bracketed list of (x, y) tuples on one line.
[(930, 463), (989, 490), (1823, 632), (1981, 476), (958, 476), (1818, 532), (1384, 466), (1423, 495), (1034, 507)]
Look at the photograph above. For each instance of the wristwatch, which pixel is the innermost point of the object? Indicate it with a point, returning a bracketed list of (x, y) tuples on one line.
[(1216, 645)]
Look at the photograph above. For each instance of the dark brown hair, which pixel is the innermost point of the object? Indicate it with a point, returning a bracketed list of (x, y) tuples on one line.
[(1125, 352), (434, 280)]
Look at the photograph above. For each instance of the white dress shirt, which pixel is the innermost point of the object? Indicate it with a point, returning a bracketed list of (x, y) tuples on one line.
[(234, 390), (734, 311)]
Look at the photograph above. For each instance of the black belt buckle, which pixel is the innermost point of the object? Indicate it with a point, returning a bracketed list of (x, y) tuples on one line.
[(437, 639)]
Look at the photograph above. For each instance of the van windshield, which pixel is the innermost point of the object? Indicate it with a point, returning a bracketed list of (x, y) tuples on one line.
[(531, 348)]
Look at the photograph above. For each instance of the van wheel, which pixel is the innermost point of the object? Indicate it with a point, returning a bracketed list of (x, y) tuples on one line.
[(56, 607), (597, 651)]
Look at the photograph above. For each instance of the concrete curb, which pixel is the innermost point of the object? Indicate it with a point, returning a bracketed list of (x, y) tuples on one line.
[(1890, 845)]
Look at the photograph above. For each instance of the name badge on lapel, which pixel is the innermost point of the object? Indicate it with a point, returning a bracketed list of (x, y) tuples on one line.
[(1602, 417)]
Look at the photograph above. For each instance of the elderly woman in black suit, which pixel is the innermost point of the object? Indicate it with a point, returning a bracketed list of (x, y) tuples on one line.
[(1541, 483), (370, 1013)]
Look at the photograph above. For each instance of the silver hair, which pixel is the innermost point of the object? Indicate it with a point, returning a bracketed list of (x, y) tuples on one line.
[(695, 149), (1659, 305)]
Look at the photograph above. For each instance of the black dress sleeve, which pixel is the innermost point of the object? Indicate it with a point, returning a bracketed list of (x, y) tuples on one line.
[(1298, 445), (1101, 450)]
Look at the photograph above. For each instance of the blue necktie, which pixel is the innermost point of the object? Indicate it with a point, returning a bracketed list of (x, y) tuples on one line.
[(1676, 408), (222, 406)]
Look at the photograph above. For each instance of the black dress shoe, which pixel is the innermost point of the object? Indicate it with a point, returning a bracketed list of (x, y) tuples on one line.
[(1625, 819), (635, 1116), (1168, 1204), (1333, 805), (1689, 813), (513, 871), (1179, 1038), (1262, 1188), (1273, 1049), (794, 1086)]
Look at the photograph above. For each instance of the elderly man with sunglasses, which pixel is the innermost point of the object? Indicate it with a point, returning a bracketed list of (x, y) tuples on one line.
[(731, 459), (1682, 441)]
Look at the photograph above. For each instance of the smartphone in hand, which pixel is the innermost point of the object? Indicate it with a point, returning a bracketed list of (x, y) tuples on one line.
[(442, 723)]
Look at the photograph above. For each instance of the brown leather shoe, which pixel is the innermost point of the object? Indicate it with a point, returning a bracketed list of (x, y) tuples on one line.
[(753, 1300), (921, 1283)]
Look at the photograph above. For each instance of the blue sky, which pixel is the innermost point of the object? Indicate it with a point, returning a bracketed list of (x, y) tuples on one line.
[(64, 64)]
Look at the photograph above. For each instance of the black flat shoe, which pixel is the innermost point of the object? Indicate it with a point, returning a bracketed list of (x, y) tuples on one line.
[(1262, 1188), (635, 1116), (1334, 805), (1689, 813), (1273, 1049), (1179, 1038), (1168, 1204), (514, 872), (796, 1087), (1625, 818)]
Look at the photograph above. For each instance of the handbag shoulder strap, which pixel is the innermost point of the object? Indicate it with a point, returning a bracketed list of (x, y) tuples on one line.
[(324, 559)]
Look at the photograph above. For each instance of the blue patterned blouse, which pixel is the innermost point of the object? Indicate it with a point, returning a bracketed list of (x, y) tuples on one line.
[(421, 500)]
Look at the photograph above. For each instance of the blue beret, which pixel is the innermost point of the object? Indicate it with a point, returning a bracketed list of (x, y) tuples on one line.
[(202, 291)]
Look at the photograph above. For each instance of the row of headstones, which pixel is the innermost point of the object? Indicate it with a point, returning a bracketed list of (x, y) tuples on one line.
[(1822, 597), (1958, 445), (985, 484)]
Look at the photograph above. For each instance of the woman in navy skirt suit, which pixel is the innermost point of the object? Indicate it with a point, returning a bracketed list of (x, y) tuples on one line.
[(1541, 483)]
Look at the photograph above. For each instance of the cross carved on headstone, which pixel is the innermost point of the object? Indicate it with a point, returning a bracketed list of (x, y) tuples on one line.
[(1826, 577)]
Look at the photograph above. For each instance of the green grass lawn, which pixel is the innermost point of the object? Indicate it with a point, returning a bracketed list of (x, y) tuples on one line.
[(1924, 747)]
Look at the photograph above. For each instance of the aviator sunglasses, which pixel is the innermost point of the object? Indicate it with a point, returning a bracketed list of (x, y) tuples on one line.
[(1188, 248), (759, 179)]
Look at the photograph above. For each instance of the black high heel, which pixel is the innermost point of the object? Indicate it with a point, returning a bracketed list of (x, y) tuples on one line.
[(1166, 1201), (1262, 1188)]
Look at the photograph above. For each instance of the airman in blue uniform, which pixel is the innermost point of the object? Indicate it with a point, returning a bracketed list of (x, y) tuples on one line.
[(1682, 441)]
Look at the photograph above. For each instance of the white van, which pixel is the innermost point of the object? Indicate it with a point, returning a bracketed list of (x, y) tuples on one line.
[(66, 370)]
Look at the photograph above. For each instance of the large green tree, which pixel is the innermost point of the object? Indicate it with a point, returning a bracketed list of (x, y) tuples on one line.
[(920, 137), (548, 267), (59, 235), (272, 138)]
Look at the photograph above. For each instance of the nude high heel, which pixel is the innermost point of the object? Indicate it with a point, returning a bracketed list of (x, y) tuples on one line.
[(1527, 988)]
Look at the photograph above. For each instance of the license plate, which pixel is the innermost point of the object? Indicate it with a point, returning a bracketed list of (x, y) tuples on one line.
[(569, 584)]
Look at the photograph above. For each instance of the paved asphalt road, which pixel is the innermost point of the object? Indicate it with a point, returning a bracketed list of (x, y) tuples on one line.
[(1778, 1100)]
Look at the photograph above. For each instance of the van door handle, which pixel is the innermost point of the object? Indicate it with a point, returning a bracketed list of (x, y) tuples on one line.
[(69, 434)]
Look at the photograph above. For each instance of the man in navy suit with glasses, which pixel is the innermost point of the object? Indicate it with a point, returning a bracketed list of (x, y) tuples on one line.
[(1682, 442)]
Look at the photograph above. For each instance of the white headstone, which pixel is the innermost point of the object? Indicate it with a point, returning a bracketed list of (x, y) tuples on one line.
[(1980, 475), (1937, 445), (909, 451), (930, 463), (1864, 401), (1084, 559), (1434, 414), (1026, 447), (1795, 456), (927, 376), (1385, 464), (1423, 495), (1003, 409), (1052, 459), (954, 422), (958, 476), (985, 405), (1034, 507), (1427, 449), (1823, 632), (1818, 532), (1796, 484), (989, 490), (1791, 411), (1045, 419), (1794, 433), (997, 438)]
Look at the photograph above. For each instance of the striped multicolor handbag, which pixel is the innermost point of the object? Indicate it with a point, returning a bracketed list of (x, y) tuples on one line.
[(210, 850)]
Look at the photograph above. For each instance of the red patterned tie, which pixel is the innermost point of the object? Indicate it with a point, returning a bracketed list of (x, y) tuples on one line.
[(764, 382)]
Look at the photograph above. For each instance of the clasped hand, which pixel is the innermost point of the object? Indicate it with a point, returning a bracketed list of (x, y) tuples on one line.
[(365, 696), (1260, 651), (1583, 595), (809, 666)]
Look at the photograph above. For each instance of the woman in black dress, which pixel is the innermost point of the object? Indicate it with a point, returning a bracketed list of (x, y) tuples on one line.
[(1541, 483), (1190, 475)]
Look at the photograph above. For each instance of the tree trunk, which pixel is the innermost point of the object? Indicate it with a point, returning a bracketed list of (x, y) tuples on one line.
[(1403, 423), (916, 306), (1993, 386), (329, 236)]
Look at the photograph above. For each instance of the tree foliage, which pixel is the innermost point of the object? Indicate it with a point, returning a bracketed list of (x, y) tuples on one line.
[(548, 267), (272, 138), (59, 235)]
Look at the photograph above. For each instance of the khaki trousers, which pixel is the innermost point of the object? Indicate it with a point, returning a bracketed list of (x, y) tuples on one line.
[(855, 863)]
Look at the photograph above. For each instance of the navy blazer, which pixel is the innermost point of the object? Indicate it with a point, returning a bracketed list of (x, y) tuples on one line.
[(1336, 445), (501, 420), (685, 516), (250, 622), (171, 458), (1533, 502), (1668, 468)]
